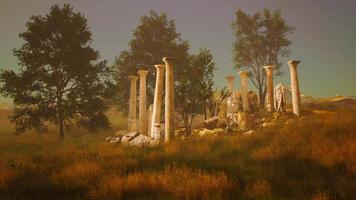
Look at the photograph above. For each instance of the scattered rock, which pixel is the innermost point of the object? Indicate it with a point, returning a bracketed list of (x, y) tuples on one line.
[(268, 124), (209, 132), (115, 140), (210, 123), (250, 132), (258, 121), (141, 141), (128, 137)]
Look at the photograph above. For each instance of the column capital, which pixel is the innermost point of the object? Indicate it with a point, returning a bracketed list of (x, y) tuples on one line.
[(269, 67), (160, 66), (243, 73), (142, 72), (293, 62), (230, 77), (168, 60), (132, 78)]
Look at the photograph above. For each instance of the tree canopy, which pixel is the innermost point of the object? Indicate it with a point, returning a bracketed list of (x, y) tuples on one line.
[(154, 38), (61, 79), (260, 39)]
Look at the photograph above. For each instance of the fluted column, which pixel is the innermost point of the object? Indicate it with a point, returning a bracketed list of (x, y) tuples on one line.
[(157, 103), (142, 112), (169, 100), (295, 86), (132, 126), (269, 89), (230, 87), (244, 90)]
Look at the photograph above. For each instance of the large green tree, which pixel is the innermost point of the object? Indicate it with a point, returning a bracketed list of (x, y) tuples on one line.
[(60, 80), (194, 87), (154, 38), (260, 39), (203, 68)]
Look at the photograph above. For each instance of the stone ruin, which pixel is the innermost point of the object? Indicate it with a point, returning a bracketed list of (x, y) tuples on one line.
[(236, 112)]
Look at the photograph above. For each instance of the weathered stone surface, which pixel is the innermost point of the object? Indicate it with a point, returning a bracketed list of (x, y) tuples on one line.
[(141, 141), (269, 88), (132, 121), (115, 140), (169, 100), (280, 102), (143, 104), (207, 132), (157, 103), (248, 133), (108, 138), (128, 137), (244, 120), (268, 124), (295, 86), (244, 90), (210, 123)]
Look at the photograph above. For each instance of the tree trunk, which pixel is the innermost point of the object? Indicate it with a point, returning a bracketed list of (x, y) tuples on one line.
[(60, 118), (261, 96), (186, 123), (60, 126), (205, 111)]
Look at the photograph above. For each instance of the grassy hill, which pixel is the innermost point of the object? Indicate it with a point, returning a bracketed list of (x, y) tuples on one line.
[(308, 158)]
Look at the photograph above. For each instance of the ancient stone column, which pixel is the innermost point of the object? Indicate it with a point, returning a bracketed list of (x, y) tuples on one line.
[(230, 83), (295, 86), (244, 90), (142, 111), (169, 100), (230, 88), (157, 103), (132, 126), (269, 89)]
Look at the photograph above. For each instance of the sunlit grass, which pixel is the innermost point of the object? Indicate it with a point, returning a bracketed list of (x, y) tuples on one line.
[(312, 158)]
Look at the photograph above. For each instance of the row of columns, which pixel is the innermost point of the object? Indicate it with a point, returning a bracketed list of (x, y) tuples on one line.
[(269, 88), (244, 91), (294, 84), (155, 128)]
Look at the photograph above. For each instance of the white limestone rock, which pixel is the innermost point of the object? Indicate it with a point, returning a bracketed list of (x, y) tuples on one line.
[(248, 133), (268, 124), (128, 137), (115, 140), (141, 141)]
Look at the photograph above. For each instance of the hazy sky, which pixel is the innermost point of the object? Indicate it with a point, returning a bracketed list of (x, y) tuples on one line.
[(324, 39)]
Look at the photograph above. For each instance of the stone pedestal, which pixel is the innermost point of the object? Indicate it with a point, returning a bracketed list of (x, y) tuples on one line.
[(269, 88), (244, 90), (169, 100), (142, 113), (157, 103), (132, 126), (295, 86)]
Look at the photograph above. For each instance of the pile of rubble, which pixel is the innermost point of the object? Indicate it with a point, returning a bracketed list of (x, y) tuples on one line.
[(132, 139)]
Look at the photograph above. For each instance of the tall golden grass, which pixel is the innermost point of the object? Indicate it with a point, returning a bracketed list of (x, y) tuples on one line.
[(312, 158)]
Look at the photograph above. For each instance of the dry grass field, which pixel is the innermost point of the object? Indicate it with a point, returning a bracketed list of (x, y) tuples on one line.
[(312, 158)]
